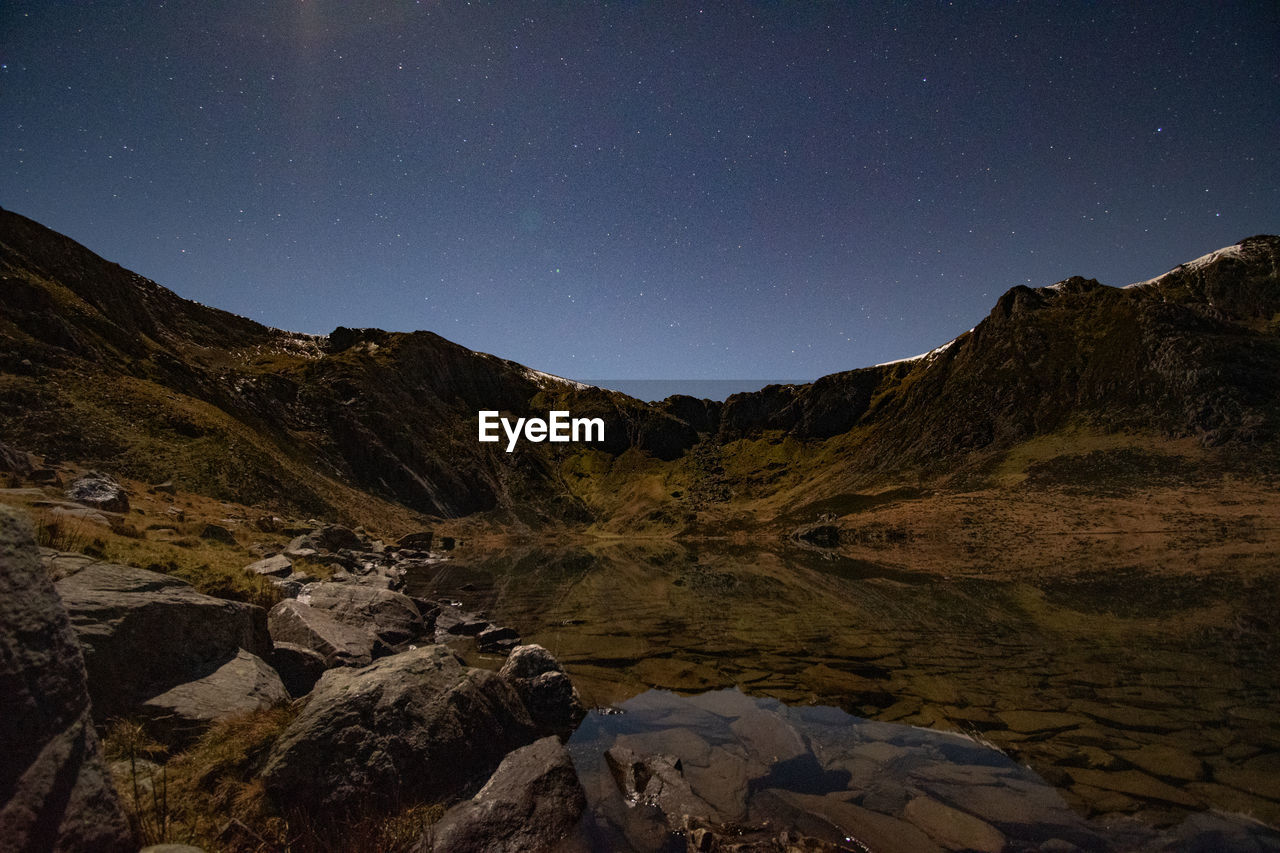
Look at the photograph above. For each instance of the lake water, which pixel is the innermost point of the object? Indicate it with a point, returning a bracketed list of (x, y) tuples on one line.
[(1138, 699)]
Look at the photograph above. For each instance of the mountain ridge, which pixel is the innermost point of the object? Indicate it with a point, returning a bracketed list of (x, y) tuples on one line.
[(100, 364)]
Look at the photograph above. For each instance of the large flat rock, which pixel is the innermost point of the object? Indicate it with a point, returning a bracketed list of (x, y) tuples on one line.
[(143, 632), (243, 684)]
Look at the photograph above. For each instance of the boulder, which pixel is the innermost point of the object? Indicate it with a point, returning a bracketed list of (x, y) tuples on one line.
[(544, 687), (288, 587), (822, 535), (99, 491), (278, 566), (451, 620), (48, 476), (335, 537), (218, 533), (497, 639), (299, 668), (243, 684), (420, 541), (391, 618), (75, 513), (61, 564), (531, 803), (293, 621), (55, 793), (143, 632), (417, 726), (22, 463), (430, 611), (656, 780), (299, 547)]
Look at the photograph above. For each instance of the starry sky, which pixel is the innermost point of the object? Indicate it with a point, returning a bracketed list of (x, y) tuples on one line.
[(665, 190)]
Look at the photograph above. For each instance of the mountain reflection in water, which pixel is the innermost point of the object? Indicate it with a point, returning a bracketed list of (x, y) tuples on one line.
[(1151, 696)]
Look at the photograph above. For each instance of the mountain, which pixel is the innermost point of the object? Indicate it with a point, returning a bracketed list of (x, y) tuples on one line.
[(106, 368), (1192, 352), (103, 366)]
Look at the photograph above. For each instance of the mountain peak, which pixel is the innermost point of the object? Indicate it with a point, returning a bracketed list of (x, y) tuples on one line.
[(1253, 248)]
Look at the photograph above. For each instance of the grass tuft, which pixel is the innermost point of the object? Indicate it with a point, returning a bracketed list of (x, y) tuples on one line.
[(212, 795), (59, 532)]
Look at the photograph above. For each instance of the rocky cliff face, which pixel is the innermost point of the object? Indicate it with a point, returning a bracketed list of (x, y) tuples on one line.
[(102, 366)]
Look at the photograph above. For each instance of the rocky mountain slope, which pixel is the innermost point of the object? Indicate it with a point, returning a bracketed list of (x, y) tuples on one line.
[(100, 365)]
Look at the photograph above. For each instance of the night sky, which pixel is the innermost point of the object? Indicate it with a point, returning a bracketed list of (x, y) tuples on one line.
[(642, 190)]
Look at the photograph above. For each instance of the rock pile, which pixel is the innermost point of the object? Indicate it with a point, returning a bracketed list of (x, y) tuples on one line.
[(387, 717)]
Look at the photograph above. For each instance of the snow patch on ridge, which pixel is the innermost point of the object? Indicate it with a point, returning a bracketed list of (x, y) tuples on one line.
[(924, 355), (544, 378), (1233, 251)]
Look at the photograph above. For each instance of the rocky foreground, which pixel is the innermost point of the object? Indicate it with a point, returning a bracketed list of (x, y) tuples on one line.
[(387, 717), (384, 718)]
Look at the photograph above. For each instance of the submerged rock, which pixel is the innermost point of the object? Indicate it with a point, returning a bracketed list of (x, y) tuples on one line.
[(497, 639), (954, 829), (414, 726), (56, 792), (656, 780), (452, 620), (530, 804)]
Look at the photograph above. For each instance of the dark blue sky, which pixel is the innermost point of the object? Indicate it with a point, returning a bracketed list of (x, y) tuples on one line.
[(642, 190)]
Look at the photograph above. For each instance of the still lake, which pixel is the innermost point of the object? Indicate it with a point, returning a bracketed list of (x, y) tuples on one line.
[(1138, 697)]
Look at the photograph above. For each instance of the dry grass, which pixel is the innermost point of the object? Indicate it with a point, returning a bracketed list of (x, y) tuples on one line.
[(60, 532), (212, 796), (207, 794)]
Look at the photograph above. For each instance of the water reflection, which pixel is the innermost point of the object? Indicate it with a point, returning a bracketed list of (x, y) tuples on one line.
[(1133, 695), (754, 768)]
